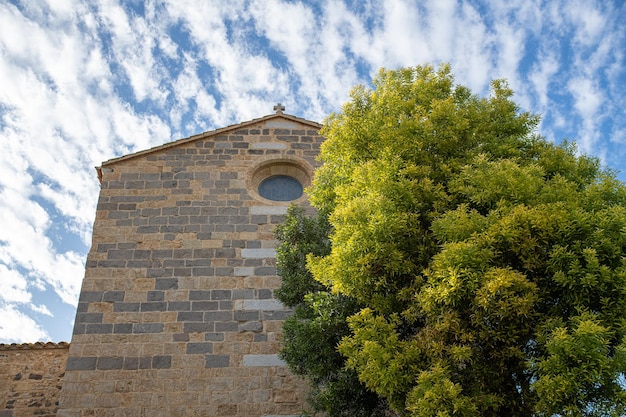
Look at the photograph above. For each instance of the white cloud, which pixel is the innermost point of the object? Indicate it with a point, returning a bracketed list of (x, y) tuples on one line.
[(17, 327), (83, 82), (41, 309), (13, 286)]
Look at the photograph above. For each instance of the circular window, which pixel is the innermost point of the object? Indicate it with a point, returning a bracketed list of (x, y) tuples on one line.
[(279, 181), (280, 188)]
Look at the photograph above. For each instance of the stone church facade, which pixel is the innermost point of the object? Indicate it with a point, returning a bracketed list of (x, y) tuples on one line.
[(177, 315)]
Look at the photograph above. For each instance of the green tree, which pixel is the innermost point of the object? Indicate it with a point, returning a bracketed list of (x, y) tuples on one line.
[(319, 322), (484, 266)]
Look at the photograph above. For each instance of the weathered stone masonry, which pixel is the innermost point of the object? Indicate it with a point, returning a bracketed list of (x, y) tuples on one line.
[(30, 378), (177, 315)]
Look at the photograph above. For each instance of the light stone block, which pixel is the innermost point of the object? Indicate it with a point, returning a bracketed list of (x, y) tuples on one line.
[(268, 145), (285, 124), (258, 253), (243, 271), (258, 305), (271, 210), (263, 360)]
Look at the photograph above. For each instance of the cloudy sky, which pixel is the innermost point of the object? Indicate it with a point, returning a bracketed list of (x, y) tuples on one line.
[(85, 81)]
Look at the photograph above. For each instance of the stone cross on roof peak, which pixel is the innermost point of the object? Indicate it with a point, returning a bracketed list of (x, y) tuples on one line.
[(279, 108)]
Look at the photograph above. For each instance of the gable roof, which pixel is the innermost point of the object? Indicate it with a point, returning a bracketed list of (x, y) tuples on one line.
[(278, 115), (32, 346)]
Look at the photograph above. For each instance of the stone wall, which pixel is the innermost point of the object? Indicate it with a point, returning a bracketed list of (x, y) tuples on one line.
[(30, 378), (177, 315)]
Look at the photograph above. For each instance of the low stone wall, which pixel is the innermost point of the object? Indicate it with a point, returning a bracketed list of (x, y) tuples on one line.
[(30, 378)]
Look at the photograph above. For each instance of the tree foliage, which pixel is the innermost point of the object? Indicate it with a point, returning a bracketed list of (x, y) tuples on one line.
[(476, 269), (312, 333)]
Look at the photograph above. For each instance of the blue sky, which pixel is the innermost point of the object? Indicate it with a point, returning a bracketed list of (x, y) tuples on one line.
[(82, 82)]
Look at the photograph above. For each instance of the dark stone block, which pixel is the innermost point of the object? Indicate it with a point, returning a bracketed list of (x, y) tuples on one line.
[(162, 253), (153, 184), (112, 264), (223, 271), (177, 220), (145, 362), (154, 306), (246, 227), (245, 294), (161, 362), (199, 347), (157, 221), (106, 206), (227, 326), (81, 364), (166, 284), (147, 327), (226, 305), (265, 270), (203, 253), (203, 272), (159, 272), (114, 185), (141, 264), (131, 363), (198, 327), (264, 294), (122, 328), (147, 229), (200, 294), (142, 254), (301, 146), (225, 253), (149, 175), (113, 296), (212, 316), (245, 315), (156, 295), (89, 318), (125, 307), (180, 337), (197, 262), (258, 219), (221, 294), (97, 328), (91, 296), (178, 306), (182, 272), (214, 337), (172, 229), (217, 361), (204, 305), (277, 219), (105, 247), (276, 315), (108, 363), (184, 176), (79, 328), (190, 316)]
